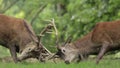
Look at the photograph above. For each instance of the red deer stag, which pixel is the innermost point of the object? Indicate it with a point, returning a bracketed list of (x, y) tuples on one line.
[(18, 36), (103, 38)]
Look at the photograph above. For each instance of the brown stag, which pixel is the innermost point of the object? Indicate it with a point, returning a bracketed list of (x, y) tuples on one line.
[(18, 36), (103, 38)]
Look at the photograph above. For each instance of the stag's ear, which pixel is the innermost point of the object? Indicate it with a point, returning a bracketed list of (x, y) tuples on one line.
[(69, 40), (59, 47)]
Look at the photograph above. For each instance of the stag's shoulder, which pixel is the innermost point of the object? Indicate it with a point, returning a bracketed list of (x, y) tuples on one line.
[(99, 31), (103, 31)]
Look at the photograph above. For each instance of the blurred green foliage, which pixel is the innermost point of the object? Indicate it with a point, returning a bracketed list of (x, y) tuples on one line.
[(72, 17)]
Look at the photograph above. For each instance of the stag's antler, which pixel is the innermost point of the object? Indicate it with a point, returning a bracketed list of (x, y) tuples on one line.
[(53, 56), (56, 31), (47, 29), (54, 26)]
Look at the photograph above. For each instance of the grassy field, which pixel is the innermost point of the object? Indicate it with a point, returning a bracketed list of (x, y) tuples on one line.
[(85, 64), (105, 63)]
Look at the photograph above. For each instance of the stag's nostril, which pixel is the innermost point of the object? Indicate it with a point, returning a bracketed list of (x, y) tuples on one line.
[(67, 62)]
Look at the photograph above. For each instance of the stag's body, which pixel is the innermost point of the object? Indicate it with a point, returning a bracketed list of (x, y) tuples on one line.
[(107, 32), (107, 36), (13, 31), (103, 38), (14, 34)]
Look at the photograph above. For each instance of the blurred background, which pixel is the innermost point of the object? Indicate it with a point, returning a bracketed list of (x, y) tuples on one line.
[(72, 17)]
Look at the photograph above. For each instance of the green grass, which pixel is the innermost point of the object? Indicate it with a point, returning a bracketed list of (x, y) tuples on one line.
[(85, 64), (109, 63), (4, 51)]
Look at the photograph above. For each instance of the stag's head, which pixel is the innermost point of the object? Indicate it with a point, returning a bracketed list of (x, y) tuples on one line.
[(32, 50), (69, 52), (35, 49)]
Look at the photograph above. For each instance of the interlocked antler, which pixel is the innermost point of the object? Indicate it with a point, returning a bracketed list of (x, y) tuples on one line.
[(54, 26), (47, 29), (57, 40)]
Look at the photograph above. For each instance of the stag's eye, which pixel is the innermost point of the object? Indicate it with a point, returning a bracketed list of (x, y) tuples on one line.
[(63, 50), (29, 49)]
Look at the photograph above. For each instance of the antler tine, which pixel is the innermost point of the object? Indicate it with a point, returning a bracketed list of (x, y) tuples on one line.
[(56, 31), (46, 29)]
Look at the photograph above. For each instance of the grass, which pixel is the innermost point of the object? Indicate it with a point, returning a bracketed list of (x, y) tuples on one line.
[(104, 63), (4, 51), (86, 64)]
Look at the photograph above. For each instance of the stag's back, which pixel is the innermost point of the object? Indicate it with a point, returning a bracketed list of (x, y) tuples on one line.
[(13, 30), (107, 31)]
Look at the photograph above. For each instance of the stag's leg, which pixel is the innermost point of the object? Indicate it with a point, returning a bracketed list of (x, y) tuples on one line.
[(103, 50), (13, 53)]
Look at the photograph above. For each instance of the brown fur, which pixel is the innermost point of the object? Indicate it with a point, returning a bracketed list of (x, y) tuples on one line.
[(14, 34), (107, 31), (103, 38)]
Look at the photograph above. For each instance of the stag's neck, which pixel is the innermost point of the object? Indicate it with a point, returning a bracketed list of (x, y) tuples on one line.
[(24, 39), (85, 45), (83, 42)]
